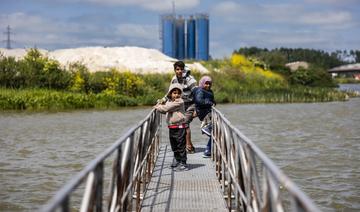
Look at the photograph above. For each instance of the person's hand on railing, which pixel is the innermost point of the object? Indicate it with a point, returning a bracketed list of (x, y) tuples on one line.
[(162, 100)]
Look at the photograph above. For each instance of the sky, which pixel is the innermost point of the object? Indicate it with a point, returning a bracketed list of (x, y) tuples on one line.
[(327, 25)]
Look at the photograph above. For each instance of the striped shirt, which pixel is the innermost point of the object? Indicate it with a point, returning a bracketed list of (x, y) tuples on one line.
[(188, 83)]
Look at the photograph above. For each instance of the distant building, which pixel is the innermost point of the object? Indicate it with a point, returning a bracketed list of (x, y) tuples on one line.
[(351, 70), (296, 65), (185, 38)]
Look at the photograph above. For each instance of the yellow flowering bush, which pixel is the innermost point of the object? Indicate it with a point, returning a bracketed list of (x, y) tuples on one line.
[(256, 75), (110, 84), (78, 83), (240, 60)]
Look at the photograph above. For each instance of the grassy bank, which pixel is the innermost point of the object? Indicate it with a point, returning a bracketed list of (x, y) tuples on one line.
[(50, 100), (286, 95)]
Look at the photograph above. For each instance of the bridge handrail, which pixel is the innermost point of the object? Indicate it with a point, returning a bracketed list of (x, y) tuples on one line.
[(241, 175), (132, 167)]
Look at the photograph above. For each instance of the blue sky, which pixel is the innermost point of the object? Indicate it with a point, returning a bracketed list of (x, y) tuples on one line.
[(55, 24)]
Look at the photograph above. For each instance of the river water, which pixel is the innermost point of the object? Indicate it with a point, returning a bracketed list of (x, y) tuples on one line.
[(317, 145)]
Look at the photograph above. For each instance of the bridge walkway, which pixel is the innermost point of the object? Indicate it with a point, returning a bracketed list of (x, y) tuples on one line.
[(142, 180), (196, 189)]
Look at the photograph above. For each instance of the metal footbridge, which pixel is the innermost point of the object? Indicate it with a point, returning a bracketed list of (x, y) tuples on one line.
[(134, 174)]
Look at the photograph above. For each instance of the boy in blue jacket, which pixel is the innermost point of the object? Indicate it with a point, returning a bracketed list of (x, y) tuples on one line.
[(204, 100)]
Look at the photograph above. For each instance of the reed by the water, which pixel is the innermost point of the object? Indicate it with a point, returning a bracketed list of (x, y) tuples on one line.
[(43, 99), (290, 95)]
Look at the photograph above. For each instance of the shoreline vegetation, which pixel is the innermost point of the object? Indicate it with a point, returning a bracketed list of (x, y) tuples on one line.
[(37, 83), (52, 100)]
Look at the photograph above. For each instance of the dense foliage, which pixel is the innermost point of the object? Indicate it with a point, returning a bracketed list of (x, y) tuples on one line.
[(245, 80), (39, 83), (316, 75), (278, 57), (32, 71)]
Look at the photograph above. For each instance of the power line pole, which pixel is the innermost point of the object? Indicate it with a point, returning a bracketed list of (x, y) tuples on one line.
[(8, 40)]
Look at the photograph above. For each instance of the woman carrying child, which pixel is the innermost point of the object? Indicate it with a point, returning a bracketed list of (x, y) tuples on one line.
[(204, 100), (175, 118)]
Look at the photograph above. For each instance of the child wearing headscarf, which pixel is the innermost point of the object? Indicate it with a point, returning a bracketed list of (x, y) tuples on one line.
[(204, 100)]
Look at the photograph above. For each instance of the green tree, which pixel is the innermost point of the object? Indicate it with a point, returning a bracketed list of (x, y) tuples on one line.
[(80, 78), (357, 56), (8, 72), (301, 76), (53, 77), (312, 76), (97, 81), (31, 68), (276, 59)]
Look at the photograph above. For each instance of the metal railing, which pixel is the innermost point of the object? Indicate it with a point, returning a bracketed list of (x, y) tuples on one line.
[(134, 154), (250, 181)]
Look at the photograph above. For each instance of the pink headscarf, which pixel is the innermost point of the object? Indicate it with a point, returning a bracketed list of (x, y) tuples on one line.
[(203, 80)]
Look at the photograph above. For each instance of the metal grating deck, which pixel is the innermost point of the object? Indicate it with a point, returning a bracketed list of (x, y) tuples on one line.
[(194, 190)]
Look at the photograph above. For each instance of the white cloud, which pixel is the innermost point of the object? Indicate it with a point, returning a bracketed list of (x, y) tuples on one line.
[(30, 30), (326, 18), (280, 13), (36, 24), (227, 7), (294, 39), (220, 49), (27, 22), (139, 35), (230, 11), (256, 13), (137, 31), (290, 14), (153, 5), (332, 2)]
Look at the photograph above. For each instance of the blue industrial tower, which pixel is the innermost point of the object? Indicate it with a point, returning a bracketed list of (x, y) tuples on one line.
[(202, 37), (185, 38), (167, 35), (190, 38), (180, 38)]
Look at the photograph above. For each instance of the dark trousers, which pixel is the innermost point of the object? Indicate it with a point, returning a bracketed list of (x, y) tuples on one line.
[(177, 142), (208, 145)]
